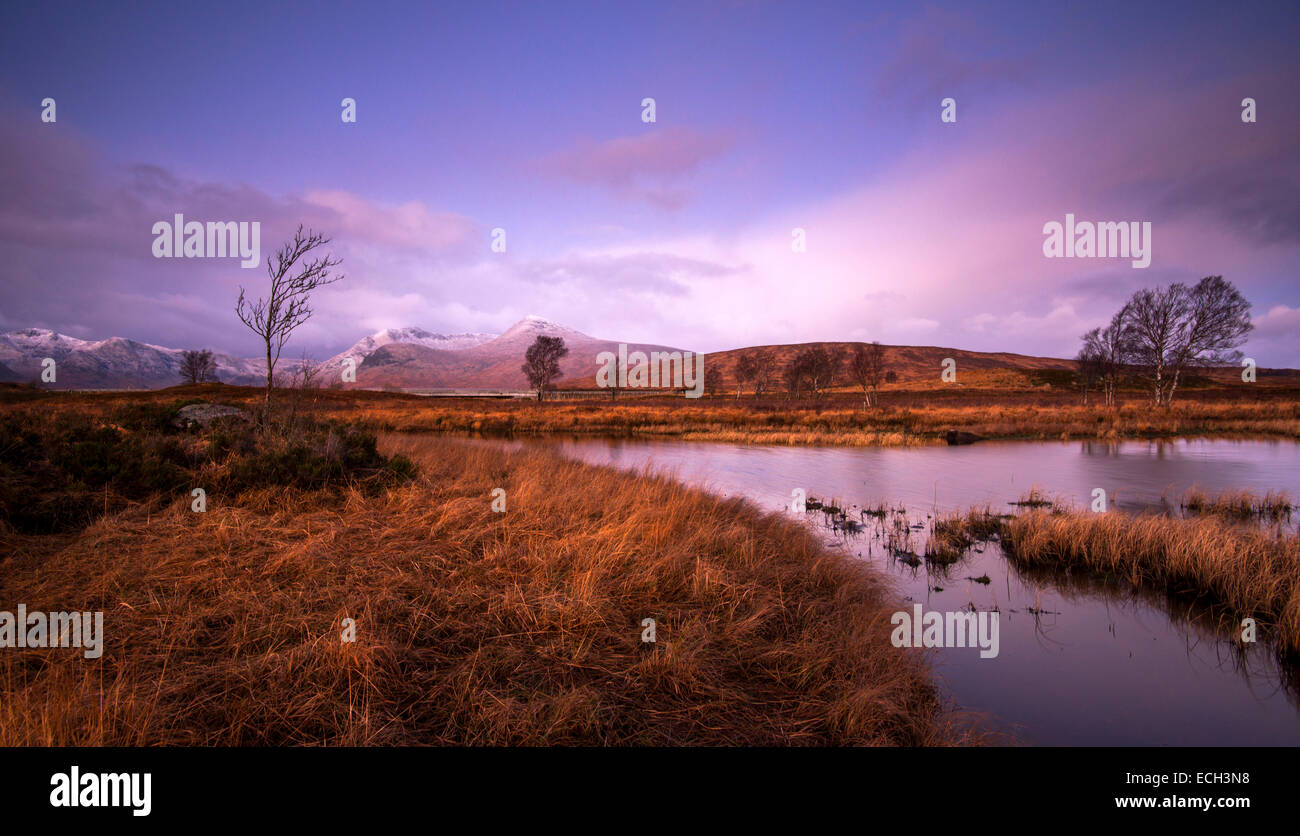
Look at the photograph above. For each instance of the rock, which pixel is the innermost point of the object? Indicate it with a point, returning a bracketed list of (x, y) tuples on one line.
[(961, 437), (204, 414)]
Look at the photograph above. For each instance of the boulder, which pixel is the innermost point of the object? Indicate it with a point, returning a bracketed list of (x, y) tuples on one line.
[(204, 414)]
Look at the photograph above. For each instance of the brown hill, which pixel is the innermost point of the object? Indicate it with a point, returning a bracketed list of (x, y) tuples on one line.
[(912, 364)]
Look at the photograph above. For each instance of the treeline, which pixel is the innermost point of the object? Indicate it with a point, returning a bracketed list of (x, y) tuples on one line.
[(816, 370)]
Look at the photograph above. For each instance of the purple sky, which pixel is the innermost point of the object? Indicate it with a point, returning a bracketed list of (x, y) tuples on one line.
[(770, 116)]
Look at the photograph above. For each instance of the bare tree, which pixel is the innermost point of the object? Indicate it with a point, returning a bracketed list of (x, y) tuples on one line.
[(1107, 351), (1218, 320), (816, 367), (746, 371), (1155, 317), (764, 371), (1088, 363), (613, 389), (1177, 327), (198, 366), (303, 378), (712, 378), (542, 362), (795, 376), (867, 369), (275, 317)]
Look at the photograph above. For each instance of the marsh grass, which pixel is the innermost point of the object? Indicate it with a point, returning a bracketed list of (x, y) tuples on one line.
[(472, 627), (908, 418), (1251, 571), (952, 535), (1242, 504)]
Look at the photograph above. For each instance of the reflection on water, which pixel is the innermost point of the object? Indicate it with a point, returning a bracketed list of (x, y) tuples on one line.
[(1083, 660)]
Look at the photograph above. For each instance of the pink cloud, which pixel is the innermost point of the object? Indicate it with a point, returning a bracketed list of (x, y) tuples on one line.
[(645, 167)]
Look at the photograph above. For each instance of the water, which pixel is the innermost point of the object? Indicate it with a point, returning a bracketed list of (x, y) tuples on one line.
[(1100, 663)]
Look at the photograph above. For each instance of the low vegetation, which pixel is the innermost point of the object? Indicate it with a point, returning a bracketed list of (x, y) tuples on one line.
[(59, 472), (471, 627), (1242, 504), (907, 418)]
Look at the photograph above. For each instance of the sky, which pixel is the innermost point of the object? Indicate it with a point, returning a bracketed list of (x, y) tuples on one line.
[(769, 117)]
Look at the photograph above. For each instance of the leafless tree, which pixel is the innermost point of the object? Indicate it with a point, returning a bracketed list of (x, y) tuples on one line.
[(816, 367), (1089, 365), (764, 371), (542, 362), (712, 378), (613, 389), (274, 317), (795, 377), (303, 379), (1217, 323), (867, 369), (746, 371), (1178, 327), (198, 366), (1106, 352)]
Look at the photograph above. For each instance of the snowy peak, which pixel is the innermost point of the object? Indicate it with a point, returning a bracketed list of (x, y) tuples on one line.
[(419, 336), (365, 346), (533, 326), (112, 363)]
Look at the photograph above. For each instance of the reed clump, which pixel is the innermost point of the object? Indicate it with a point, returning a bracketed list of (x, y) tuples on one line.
[(1241, 504), (1251, 571)]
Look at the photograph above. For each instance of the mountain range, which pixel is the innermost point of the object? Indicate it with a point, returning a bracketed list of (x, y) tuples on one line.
[(413, 358), (114, 363), (397, 357)]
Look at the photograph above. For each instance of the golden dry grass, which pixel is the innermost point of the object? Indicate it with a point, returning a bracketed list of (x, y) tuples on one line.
[(1253, 572), (839, 425), (906, 418), (473, 627), (1239, 503)]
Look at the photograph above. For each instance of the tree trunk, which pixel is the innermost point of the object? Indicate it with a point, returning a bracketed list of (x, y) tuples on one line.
[(266, 403), (1169, 398)]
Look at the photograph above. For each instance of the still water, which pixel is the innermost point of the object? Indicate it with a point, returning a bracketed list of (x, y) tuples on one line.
[(1097, 662)]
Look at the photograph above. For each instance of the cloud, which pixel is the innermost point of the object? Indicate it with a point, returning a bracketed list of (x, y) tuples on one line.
[(946, 53), (648, 167), (1280, 321), (626, 272), (76, 243)]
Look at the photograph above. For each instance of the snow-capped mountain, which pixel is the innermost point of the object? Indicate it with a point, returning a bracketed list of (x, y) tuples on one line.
[(531, 327), (492, 364), (400, 357), (365, 346), (113, 363)]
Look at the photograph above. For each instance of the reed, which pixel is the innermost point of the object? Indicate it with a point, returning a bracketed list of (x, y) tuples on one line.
[(1242, 504)]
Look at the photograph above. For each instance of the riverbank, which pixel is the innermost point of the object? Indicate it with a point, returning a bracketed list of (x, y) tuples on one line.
[(906, 417)]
